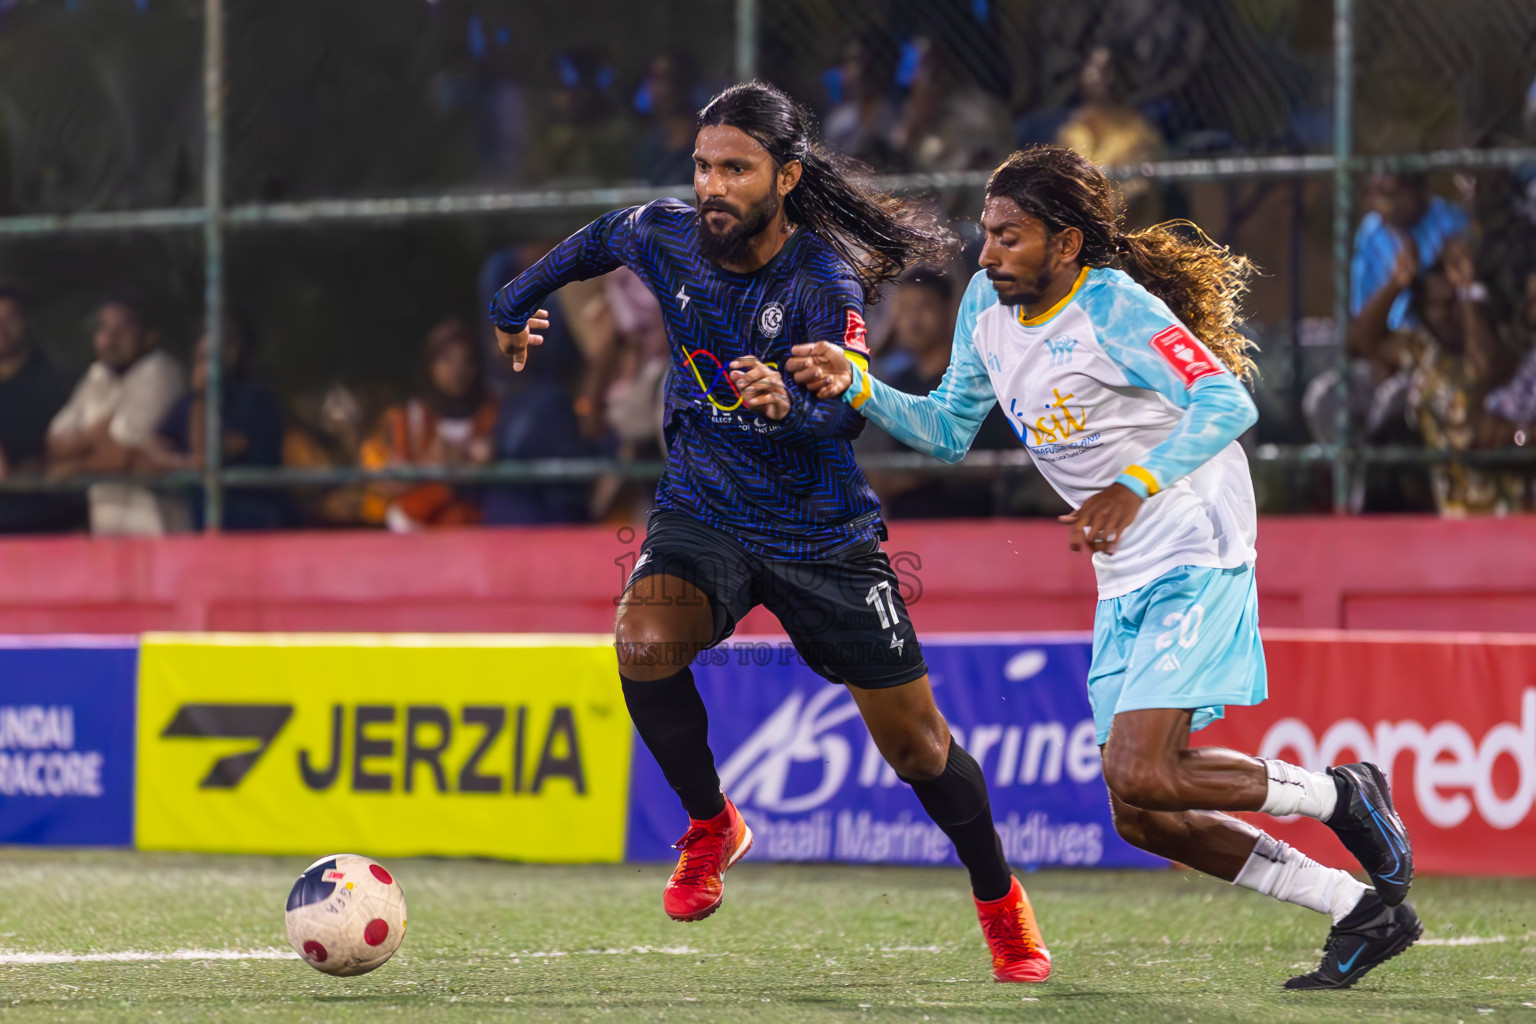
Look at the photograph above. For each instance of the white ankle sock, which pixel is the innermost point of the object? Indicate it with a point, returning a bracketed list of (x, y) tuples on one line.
[(1294, 790), (1279, 870)]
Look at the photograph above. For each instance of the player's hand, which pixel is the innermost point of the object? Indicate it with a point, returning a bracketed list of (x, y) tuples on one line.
[(515, 346), (820, 367), (760, 386), (1100, 522)]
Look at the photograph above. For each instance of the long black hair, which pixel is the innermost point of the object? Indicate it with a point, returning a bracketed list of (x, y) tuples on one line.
[(877, 233), (1202, 282)]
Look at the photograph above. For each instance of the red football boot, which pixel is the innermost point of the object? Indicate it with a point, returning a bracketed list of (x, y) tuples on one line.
[(709, 848), (1018, 950)]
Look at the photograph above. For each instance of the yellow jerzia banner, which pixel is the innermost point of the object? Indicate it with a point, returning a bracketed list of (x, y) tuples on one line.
[(501, 746)]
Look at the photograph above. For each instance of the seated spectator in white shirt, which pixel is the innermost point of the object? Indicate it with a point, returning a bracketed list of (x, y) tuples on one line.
[(113, 411)]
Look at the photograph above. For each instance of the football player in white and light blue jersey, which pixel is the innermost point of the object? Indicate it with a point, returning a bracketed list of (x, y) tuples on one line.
[(1119, 363)]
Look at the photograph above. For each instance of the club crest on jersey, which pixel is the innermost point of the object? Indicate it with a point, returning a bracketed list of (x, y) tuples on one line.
[(1062, 348), (1190, 359), (855, 338), (771, 320)]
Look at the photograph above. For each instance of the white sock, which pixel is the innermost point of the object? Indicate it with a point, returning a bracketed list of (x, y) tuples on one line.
[(1294, 790), (1279, 870)]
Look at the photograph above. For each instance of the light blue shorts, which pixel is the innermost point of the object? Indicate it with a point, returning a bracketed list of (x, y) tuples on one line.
[(1189, 639)]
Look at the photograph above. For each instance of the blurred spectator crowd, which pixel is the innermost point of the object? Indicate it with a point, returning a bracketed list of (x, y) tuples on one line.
[(1442, 352), (1442, 340), (1442, 343)]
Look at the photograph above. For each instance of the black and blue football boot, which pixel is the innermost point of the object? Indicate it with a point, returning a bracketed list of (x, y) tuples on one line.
[(1369, 936), (1368, 826)]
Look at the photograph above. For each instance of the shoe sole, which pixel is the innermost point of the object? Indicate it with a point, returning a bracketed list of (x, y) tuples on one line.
[(741, 851), (1396, 950), (1393, 896), (1023, 981)]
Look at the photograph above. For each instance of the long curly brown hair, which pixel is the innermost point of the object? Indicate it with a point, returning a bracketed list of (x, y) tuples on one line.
[(1202, 282)]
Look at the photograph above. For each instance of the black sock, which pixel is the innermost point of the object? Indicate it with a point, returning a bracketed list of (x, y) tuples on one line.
[(957, 802), (670, 717)]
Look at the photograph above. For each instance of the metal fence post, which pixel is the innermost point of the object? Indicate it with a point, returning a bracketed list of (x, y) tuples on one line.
[(746, 40), (213, 262), (1343, 152)]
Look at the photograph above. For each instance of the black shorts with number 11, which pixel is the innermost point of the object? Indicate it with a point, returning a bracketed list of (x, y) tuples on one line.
[(844, 614)]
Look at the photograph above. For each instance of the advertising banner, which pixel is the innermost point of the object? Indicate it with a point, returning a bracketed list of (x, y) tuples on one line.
[(505, 746), (797, 760), (1450, 718), (66, 740)]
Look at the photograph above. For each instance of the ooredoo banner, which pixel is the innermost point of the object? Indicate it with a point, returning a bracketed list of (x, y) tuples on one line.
[(796, 759), (1450, 718), (66, 740), (503, 746)]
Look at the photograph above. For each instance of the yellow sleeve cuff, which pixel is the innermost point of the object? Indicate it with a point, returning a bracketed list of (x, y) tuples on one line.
[(1147, 479), (860, 390)]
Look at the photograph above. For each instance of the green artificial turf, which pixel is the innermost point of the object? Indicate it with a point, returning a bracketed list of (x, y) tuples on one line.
[(507, 941)]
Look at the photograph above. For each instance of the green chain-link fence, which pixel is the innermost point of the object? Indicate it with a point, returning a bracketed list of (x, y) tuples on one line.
[(337, 170)]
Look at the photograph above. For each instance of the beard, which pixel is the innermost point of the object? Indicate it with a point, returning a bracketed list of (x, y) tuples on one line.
[(1019, 291), (734, 243)]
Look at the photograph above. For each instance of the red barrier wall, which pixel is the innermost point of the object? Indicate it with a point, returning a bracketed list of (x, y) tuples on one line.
[(1371, 573), (1450, 719)]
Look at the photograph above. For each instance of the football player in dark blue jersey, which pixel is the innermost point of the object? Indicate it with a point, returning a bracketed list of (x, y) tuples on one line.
[(762, 502)]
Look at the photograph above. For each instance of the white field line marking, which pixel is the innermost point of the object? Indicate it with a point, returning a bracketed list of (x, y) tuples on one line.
[(142, 956), (136, 956), (625, 951), (1464, 940)]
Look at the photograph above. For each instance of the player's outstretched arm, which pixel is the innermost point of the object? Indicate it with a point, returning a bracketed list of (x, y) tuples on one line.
[(763, 390), (942, 423), (594, 250)]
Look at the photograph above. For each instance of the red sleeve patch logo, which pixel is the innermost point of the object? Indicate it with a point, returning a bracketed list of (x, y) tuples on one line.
[(855, 339), (1189, 358)]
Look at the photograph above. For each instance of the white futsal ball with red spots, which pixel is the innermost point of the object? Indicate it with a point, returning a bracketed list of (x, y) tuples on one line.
[(346, 915)]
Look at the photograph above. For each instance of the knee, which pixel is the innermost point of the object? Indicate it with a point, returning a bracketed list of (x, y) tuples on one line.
[(646, 653), (1133, 824), (1162, 832), (1141, 783), (918, 755)]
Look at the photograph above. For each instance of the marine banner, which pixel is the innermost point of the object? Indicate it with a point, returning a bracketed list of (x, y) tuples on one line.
[(1450, 718), (66, 740), (797, 760), (504, 746)]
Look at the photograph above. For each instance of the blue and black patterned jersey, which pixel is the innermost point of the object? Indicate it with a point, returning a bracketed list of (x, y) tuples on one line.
[(789, 489)]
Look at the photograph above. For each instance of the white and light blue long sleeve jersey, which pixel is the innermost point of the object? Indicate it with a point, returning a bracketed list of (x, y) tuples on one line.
[(1105, 386)]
